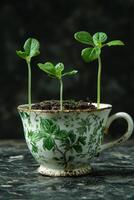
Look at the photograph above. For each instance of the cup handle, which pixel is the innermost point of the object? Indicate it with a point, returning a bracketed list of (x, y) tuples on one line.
[(123, 138)]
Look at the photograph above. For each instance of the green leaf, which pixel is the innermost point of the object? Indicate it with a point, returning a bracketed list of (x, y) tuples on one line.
[(71, 73), (65, 143), (47, 125), (35, 137), (21, 54), (48, 68), (99, 38), (90, 54), (82, 140), (72, 136), (48, 143), (34, 148), (84, 37), (115, 43), (31, 47), (61, 135), (30, 133), (54, 129), (59, 68), (77, 148)]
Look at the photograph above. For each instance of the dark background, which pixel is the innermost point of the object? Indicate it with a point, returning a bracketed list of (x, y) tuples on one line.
[(53, 23)]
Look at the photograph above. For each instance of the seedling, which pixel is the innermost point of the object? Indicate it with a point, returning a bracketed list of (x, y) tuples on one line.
[(31, 49), (93, 52), (57, 71)]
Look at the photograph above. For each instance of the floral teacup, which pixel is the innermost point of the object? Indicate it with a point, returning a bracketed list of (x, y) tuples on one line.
[(63, 143)]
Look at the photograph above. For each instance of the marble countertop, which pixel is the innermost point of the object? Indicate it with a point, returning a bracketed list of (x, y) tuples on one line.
[(112, 177)]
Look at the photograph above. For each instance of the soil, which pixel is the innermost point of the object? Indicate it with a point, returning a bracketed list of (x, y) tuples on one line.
[(67, 105)]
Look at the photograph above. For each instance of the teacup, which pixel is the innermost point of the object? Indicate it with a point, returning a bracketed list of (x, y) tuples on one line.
[(65, 142)]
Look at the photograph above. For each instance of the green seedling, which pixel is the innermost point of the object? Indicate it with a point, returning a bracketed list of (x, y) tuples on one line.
[(31, 49), (93, 52), (57, 71)]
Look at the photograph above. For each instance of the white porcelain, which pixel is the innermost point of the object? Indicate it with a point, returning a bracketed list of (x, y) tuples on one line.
[(64, 143)]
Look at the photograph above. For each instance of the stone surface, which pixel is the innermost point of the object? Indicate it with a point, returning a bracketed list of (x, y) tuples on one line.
[(112, 177)]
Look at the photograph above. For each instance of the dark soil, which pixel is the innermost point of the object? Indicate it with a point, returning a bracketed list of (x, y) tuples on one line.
[(67, 105)]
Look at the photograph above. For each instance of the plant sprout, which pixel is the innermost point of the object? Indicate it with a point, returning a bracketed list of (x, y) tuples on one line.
[(56, 71), (31, 49), (93, 52)]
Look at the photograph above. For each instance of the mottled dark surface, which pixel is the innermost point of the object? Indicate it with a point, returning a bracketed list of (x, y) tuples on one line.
[(112, 177), (53, 23)]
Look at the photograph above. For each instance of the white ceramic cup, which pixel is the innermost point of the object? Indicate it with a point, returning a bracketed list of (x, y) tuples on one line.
[(63, 143)]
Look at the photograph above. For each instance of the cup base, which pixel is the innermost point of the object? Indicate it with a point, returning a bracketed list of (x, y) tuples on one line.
[(74, 172)]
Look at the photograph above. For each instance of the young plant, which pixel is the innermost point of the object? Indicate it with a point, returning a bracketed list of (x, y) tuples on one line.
[(93, 52), (57, 71), (31, 49)]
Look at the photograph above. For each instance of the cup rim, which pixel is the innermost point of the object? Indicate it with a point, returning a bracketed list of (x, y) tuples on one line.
[(103, 106)]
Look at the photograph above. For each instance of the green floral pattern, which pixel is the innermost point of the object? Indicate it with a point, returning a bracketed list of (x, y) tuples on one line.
[(65, 139)]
